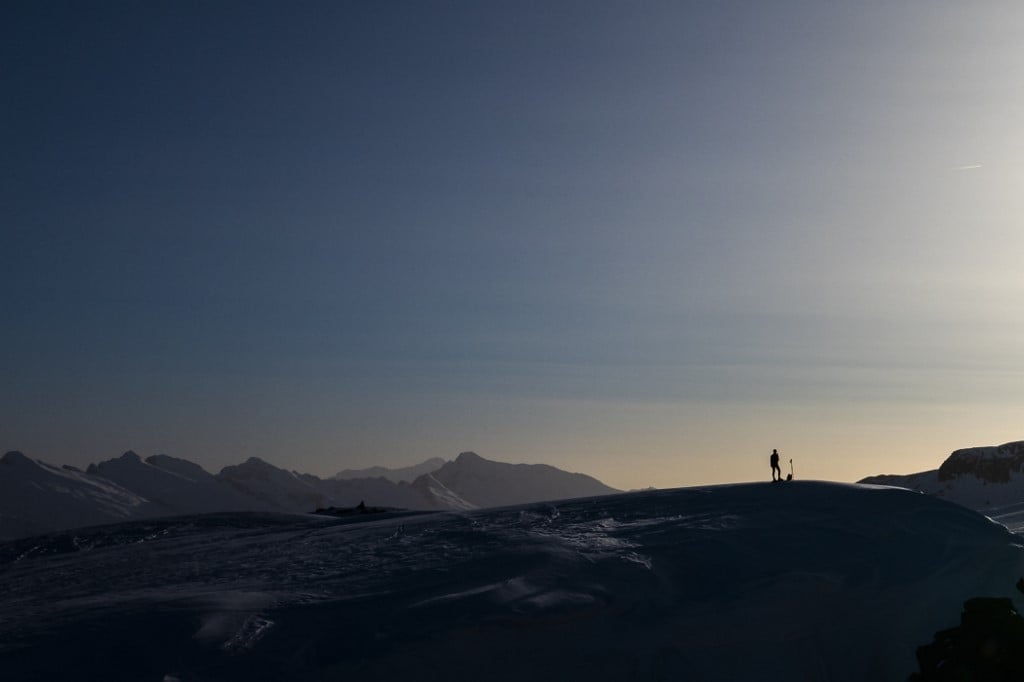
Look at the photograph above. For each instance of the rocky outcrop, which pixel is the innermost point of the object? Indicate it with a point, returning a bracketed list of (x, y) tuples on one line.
[(989, 464)]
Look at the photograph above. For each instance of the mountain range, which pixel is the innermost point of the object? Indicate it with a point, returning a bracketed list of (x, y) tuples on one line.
[(37, 497)]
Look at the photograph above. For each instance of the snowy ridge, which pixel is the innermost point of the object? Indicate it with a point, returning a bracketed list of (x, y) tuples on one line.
[(36, 497), (176, 486), (762, 581)]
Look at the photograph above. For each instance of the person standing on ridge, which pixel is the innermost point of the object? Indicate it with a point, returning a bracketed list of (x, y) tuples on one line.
[(775, 466)]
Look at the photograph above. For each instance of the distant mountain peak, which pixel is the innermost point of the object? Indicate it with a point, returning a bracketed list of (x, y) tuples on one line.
[(482, 482), (250, 467), (407, 474), (129, 460), (15, 458)]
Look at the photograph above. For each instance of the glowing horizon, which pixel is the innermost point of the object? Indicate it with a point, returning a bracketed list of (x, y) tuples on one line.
[(648, 244)]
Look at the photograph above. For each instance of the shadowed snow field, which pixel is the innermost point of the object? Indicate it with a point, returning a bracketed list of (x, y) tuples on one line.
[(762, 581)]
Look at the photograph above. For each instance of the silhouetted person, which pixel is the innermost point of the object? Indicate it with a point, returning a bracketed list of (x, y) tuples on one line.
[(775, 466)]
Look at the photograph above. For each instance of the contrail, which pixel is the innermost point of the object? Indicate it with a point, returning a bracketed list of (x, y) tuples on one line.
[(968, 167)]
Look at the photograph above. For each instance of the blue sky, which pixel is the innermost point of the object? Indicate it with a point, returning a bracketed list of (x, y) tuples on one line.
[(650, 241)]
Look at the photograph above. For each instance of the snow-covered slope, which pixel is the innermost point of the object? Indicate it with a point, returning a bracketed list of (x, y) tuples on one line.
[(400, 475), (445, 497), (484, 483), (793, 581), (983, 478), (36, 497)]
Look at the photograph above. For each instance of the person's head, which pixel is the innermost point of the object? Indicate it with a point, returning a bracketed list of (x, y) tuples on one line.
[(774, 451)]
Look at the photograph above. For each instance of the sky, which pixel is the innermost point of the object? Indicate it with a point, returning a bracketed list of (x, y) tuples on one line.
[(649, 241)]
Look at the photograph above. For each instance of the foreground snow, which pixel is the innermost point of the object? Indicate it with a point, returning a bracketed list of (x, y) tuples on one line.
[(798, 580)]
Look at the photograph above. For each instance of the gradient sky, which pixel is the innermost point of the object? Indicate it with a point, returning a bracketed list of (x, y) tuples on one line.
[(649, 241)]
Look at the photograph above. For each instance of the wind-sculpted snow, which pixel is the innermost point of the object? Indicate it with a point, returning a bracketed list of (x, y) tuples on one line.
[(762, 581)]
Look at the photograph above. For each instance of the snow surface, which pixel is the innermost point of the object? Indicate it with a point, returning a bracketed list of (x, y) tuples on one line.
[(785, 581)]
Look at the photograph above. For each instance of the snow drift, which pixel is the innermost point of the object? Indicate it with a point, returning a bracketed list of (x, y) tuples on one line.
[(786, 581)]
